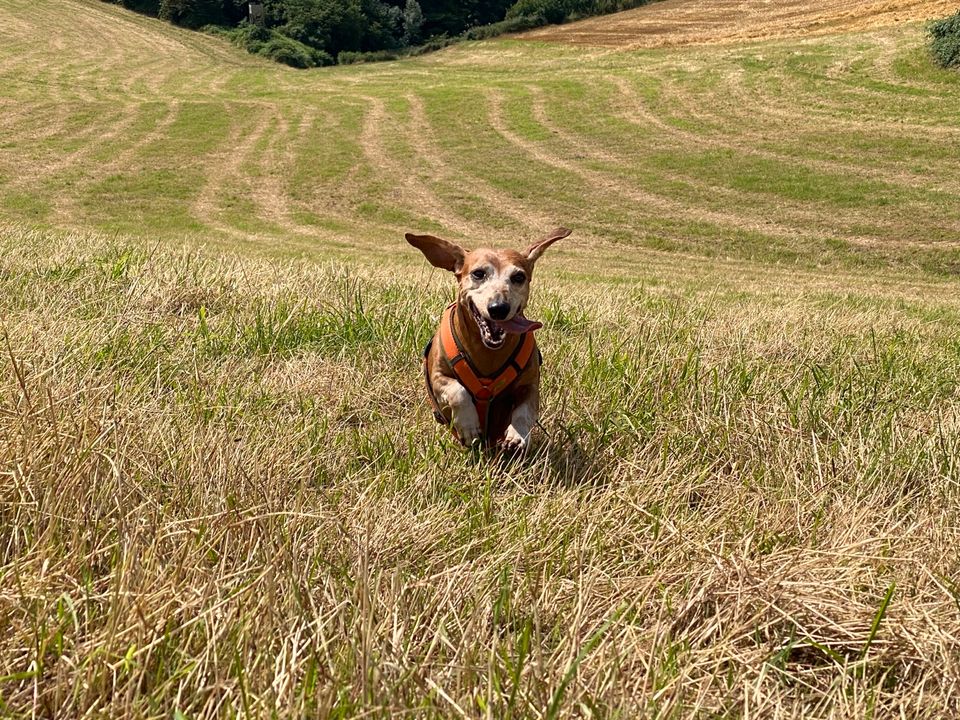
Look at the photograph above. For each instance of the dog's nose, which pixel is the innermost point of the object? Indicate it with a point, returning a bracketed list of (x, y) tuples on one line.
[(499, 310)]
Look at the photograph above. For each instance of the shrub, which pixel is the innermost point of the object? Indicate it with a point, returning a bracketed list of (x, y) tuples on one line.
[(322, 58), (273, 45), (150, 7), (438, 42), (287, 51), (552, 11), (192, 13), (147, 7), (558, 11), (605, 7), (511, 25), (945, 41), (348, 57)]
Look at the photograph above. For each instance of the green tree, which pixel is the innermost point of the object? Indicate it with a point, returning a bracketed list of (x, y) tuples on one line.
[(449, 17), (330, 25), (412, 22), (384, 25), (193, 13), (150, 7), (553, 11)]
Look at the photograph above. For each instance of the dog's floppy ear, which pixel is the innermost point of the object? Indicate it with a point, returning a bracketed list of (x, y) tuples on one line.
[(441, 253), (536, 250)]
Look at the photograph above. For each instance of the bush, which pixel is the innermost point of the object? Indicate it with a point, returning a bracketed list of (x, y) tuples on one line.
[(552, 11), (273, 45), (287, 51), (438, 42), (348, 57), (605, 7), (945, 41), (192, 13), (511, 25), (147, 7), (557, 11)]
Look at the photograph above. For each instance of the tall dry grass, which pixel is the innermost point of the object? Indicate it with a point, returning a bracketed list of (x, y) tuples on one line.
[(223, 495)]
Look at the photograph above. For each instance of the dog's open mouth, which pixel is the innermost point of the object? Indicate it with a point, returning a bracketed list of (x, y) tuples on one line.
[(493, 333)]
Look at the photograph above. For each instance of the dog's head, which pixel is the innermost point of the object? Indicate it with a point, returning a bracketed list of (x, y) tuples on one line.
[(494, 284)]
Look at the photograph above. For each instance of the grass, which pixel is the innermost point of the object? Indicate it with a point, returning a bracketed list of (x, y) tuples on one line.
[(823, 148), (221, 489), (224, 487)]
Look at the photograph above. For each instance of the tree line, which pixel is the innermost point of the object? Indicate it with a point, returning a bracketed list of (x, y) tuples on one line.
[(307, 33)]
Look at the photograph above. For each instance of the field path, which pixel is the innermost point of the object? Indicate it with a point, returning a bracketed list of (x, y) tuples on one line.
[(223, 167), (423, 139), (409, 181)]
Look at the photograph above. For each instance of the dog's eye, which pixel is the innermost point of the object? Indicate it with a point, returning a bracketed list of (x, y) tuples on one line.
[(478, 274), (518, 278)]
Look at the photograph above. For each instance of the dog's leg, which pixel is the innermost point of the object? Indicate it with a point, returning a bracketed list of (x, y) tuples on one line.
[(463, 413), (522, 420)]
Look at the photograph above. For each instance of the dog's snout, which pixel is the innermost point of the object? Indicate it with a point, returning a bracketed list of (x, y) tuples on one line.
[(498, 310)]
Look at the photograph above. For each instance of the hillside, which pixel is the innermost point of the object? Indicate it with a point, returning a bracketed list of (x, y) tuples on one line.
[(221, 489), (827, 153), (678, 23)]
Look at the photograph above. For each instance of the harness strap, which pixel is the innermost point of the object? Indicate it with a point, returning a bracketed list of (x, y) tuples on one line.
[(482, 388)]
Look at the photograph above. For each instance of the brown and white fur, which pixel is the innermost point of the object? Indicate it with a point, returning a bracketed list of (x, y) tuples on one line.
[(496, 281)]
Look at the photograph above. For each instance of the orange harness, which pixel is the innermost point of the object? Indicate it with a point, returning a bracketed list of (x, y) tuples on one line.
[(482, 388)]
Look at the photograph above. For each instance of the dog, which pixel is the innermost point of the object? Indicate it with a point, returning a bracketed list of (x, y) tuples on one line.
[(482, 367)]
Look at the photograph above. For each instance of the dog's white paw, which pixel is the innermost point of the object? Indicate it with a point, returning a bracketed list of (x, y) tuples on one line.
[(467, 425), (514, 442)]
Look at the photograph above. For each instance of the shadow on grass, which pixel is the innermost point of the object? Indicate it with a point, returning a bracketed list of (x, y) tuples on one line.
[(558, 459)]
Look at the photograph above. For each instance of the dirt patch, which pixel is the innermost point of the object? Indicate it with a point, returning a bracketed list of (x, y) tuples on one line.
[(676, 23)]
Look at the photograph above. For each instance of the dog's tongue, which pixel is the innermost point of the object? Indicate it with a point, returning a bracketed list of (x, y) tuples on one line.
[(518, 325)]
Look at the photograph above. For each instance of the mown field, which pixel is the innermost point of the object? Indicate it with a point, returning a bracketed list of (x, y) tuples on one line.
[(222, 492)]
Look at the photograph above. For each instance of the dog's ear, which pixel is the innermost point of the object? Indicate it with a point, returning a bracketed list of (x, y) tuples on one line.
[(441, 253), (536, 250)]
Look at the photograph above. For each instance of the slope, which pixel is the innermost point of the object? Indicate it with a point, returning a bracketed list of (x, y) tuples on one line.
[(676, 23)]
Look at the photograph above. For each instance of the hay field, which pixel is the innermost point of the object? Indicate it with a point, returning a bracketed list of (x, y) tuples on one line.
[(221, 490), (678, 23)]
